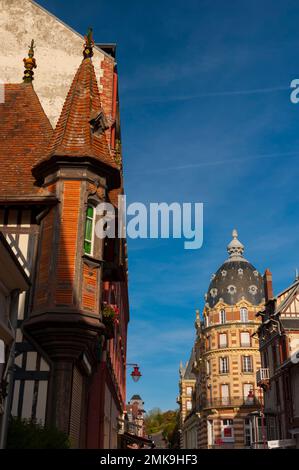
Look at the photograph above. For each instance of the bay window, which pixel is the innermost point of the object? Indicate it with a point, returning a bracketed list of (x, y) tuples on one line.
[(89, 230)]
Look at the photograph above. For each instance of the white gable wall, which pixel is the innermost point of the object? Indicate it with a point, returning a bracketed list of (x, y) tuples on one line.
[(58, 52)]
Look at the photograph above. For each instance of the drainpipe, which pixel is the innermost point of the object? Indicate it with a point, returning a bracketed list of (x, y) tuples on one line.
[(14, 306)]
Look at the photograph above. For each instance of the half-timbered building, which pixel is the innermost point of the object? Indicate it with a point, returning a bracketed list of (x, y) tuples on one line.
[(279, 373), (69, 369)]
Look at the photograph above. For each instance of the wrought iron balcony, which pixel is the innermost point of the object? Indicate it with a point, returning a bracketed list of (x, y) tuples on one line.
[(228, 402), (262, 376)]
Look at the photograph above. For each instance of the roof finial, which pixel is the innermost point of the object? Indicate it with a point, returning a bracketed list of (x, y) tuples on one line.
[(30, 64), (197, 319), (88, 45), (235, 247)]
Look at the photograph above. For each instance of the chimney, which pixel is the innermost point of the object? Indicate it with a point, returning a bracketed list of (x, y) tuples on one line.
[(268, 285)]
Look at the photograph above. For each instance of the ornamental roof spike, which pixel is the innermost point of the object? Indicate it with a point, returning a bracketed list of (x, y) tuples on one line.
[(89, 44), (30, 64)]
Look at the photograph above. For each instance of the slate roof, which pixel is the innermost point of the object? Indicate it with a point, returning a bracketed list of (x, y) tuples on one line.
[(235, 280), (189, 375), (136, 397)]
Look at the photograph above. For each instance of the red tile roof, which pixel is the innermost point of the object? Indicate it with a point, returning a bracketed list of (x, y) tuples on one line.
[(25, 132), (73, 136)]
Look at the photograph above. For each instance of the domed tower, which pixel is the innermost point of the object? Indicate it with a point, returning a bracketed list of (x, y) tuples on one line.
[(227, 352)]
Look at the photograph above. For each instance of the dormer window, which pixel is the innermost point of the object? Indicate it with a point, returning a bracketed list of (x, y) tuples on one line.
[(231, 289), (213, 292), (98, 123), (244, 315), (222, 316)]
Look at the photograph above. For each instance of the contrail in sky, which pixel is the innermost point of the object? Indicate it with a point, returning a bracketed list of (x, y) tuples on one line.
[(252, 91), (239, 161)]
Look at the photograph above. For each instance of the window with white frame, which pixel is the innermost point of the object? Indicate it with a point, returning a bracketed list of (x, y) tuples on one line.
[(207, 321), (247, 364), (227, 430), (189, 391), (223, 365), (222, 316), (224, 394), (189, 405), (222, 340), (245, 339), (89, 230), (244, 315), (208, 367)]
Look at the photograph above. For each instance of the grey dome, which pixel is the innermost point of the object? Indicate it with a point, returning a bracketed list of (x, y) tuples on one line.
[(236, 279)]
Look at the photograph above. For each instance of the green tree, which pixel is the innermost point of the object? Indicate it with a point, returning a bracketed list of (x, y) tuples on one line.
[(165, 422)]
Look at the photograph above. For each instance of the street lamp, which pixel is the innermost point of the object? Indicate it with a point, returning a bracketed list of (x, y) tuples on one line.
[(135, 374)]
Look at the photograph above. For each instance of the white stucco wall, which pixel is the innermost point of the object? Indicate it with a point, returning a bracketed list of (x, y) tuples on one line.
[(58, 51)]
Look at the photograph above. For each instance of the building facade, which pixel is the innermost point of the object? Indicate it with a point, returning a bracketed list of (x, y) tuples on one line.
[(57, 48), (188, 418), (279, 374), (13, 281), (227, 354), (65, 353), (136, 415)]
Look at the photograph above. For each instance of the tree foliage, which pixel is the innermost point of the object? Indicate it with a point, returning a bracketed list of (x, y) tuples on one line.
[(166, 422), (27, 434)]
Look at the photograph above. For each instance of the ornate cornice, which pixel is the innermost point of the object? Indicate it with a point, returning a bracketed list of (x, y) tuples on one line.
[(229, 325), (214, 352)]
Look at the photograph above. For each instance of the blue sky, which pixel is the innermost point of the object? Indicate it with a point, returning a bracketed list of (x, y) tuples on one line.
[(206, 116)]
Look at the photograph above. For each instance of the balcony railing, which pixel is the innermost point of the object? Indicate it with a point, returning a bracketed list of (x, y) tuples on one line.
[(262, 376), (231, 402)]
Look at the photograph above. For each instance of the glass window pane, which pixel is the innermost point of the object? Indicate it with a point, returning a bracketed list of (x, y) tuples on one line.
[(88, 229), (90, 211), (87, 247)]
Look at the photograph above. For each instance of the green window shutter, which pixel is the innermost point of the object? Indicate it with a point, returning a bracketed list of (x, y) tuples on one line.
[(89, 223), (87, 247), (90, 212), (88, 229)]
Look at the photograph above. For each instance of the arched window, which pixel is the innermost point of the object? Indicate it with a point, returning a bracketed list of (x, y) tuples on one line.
[(222, 316), (89, 230), (244, 315)]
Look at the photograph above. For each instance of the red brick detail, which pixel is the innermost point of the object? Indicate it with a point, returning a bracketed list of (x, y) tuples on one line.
[(89, 293), (106, 93), (106, 82), (268, 286), (66, 262), (44, 266)]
